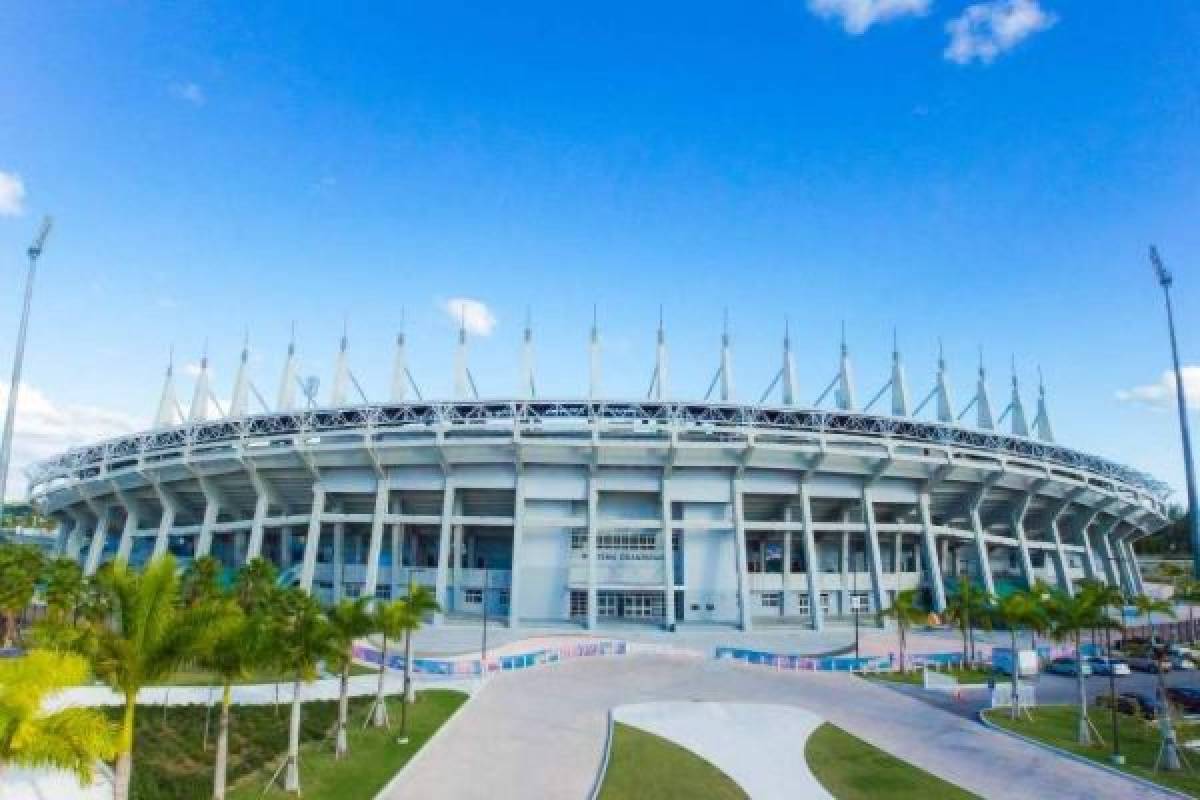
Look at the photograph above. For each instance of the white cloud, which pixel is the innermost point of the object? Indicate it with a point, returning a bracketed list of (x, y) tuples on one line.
[(45, 428), (474, 315), (1161, 395), (189, 92), (985, 30), (12, 194), (859, 15)]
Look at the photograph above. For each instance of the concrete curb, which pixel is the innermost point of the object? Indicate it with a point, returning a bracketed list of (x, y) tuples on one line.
[(600, 773), (398, 778), (1158, 787)]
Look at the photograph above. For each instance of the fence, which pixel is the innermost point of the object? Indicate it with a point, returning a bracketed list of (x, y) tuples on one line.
[(473, 667), (1186, 630)]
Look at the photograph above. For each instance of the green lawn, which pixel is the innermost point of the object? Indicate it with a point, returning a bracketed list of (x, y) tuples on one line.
[(643, 766), (1058, 726), (171, 763), (913, 677), (851, 769)]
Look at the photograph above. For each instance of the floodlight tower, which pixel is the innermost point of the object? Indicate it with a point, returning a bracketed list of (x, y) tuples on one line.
[(1164, 280), (34, 251)]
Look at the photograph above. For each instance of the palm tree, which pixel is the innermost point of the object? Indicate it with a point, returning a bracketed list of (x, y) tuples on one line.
[(146, 636), (1017, 610), (256, 585), (905, 611), (302, 639), (392, 620), (349, 620), (64, 588), (20, 569), (967, 608), (1069, 617), (232, 654), (421, 602), (202, 581), (72, 739)]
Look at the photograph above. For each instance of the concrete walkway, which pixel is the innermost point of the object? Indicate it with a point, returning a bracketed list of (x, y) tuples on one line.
[(730, 737), (540, 733)]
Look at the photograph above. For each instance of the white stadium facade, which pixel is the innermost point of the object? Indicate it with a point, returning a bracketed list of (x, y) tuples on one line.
[(595, 511)]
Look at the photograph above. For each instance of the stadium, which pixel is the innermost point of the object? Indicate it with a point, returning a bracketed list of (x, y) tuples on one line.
[(601, 512)]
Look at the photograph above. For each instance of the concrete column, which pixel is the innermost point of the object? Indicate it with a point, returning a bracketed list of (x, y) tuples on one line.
[(981, 546), (125, 545), (786, 607), (312, 541), (212, 508), (1060, 555), (844, 564), (456, 568), (96, 548), (397, 559), (339, 560), (668, 557), (262, 501), (739, 536), (1104, 536), (375, 547), (1018, 524), (439, 585), (1134, 567), (74, 539), (1089, 555), (1129, 562), (518, 534), (897, 552), (933, 565), (874, 559), (810, 559), (593, 520)]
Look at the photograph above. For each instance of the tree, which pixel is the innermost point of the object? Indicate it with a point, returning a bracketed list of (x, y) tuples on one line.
[(145, 637), (202, 581), (64, 588), (20, 569), (349, 620), (72, 739), (905, 611), (1016, 611), (1188, 591), (1069, 616), (392, 620), (256, 585), (421, 602), (967, 608), (302, 639)]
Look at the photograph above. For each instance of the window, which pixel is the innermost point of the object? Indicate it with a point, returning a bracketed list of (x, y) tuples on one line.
[(802, 603), (607, 604), (824, 602), (578, 603), (860, 601), (502, 597), (771, 599), (473, 597), (642, 605)]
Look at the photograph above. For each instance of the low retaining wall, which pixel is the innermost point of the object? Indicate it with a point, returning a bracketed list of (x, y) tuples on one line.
[(469, 667)]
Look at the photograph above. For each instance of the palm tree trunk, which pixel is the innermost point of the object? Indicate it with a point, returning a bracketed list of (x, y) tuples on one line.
[(1013, 668), (1085, 732), (381, 715), (124, 771), (340, 747), (900, 630), (291, 778), (219, 769), (410, 693)]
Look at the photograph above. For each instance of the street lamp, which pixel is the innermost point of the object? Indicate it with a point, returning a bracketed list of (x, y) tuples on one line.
[(34, 251), (1164, 280)]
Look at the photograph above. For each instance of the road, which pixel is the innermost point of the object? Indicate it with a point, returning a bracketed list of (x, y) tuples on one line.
[(540, 733)]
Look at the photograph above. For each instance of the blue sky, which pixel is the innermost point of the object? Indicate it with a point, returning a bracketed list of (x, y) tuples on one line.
[(991, 175)]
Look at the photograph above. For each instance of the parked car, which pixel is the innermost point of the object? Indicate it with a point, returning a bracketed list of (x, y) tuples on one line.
[(1134, 703), (1187, 700), (1066, 665), (1148, 663), (1108, 666), (1181, 661)]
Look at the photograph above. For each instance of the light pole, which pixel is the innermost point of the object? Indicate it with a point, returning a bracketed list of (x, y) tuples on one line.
[(34, 251), (1164, 280)]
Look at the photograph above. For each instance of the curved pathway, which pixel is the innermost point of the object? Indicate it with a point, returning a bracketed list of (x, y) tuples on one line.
[(540, 732), (730, 736)]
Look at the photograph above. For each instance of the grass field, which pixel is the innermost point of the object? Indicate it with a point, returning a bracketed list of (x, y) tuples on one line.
[(171, 762), (913, 677), (851, 769), (643, 766), (1058, 726)]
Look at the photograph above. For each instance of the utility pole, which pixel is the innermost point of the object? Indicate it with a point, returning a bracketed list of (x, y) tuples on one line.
[(1164, 280), (33, 252)]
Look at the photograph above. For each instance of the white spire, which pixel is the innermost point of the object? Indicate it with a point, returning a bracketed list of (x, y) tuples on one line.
[(789, 370), (945, 405), (168, 404), (983, 401), (594, 358), (462, 381), (400, 367), (1019, 425), (726, 363), (660, 361), (1041, 423), (528, 387), (241, 385), (287, 382), (845, 389), (341, 373), (899, 384), (199, 409)]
